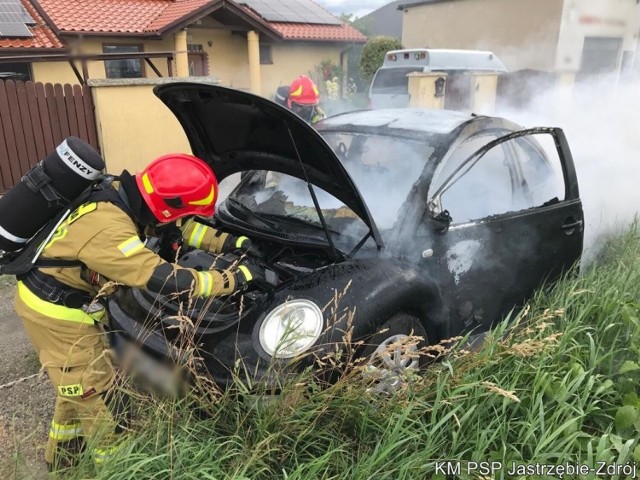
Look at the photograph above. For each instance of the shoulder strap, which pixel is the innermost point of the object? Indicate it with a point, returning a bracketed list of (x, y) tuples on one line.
[(25, 260), (107, 193)]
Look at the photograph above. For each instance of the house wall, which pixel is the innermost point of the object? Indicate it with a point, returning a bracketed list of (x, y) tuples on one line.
[(227, 58), (61, 72), (522, 33), (292, 59), (134, 127), (596, 18)]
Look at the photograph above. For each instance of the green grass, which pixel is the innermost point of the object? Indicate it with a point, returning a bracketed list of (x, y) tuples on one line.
[(561, 386)]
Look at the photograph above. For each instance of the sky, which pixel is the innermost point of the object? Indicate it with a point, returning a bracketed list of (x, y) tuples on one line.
[(357, 7)]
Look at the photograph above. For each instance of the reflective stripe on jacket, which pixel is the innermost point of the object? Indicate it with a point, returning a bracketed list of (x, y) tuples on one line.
[(57, 312)]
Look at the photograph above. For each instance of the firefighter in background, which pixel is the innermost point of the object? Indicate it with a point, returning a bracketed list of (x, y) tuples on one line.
[(302, 97), (106, 237)]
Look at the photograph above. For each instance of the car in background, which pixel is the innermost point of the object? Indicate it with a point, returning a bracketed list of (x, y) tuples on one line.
[(390, 85), (384, 223)]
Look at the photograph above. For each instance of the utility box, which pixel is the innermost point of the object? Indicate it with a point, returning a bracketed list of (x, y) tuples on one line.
[(427, 89)]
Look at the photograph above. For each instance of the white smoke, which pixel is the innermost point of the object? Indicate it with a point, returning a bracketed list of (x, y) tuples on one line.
[(601, 120)]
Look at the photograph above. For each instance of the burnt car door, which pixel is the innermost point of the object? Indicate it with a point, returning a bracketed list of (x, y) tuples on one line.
[(512, 220)]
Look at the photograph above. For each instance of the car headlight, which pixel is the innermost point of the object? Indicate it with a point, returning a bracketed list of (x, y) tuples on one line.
[(291, 328)]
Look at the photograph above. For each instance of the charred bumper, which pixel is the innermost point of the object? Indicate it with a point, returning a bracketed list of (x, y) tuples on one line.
[(354, 296)]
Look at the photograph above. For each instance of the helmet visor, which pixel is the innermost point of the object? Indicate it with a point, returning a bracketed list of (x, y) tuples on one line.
[(304, 111)]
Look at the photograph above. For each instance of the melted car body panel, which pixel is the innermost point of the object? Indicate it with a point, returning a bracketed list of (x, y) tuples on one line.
[(509, 229)]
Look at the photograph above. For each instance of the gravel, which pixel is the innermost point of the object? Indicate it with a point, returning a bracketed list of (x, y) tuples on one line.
[(25, 407)]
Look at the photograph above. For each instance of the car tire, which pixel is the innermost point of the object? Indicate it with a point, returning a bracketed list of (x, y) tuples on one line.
[(387, 366)]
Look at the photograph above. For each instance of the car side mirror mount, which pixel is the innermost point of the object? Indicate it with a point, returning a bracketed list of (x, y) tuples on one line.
[(439, 219)]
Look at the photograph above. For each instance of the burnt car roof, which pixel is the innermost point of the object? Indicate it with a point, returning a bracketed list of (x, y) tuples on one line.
[(398, 121)]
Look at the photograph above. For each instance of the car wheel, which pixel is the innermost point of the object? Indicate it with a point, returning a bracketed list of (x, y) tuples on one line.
[(394, 352)]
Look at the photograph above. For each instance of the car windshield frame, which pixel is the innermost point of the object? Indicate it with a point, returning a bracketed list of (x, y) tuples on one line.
[(424, 149)]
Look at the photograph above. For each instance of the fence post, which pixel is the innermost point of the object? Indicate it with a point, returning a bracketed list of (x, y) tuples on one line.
[(427, 89)]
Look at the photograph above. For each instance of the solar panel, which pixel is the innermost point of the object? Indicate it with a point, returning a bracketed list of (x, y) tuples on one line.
[(14, 30), (14, 19), (292, 11)]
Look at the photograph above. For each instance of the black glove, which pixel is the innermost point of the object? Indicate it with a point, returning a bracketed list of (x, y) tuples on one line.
[(241, 245), (247, 272)]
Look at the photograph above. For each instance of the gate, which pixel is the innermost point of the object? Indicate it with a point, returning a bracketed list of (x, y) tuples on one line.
[(35, 118)]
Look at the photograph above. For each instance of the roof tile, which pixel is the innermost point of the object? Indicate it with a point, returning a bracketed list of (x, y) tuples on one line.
[(147, 16), (108, 16), (316, 32), (43, 36), (175, 11)]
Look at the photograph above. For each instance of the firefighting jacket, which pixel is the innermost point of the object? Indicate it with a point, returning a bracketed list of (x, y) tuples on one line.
[(106, 240)]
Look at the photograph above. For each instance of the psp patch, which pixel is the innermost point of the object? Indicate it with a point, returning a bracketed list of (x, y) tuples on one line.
[(70, 390)]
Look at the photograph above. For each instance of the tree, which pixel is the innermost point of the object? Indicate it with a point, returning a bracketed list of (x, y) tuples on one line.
[(373, 55), (347, 17)]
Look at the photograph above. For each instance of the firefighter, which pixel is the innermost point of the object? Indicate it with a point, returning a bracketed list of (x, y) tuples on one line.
[(106, 236), (304, 100)]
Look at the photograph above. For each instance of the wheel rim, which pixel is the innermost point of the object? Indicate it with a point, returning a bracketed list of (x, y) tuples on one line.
[(390, 362)]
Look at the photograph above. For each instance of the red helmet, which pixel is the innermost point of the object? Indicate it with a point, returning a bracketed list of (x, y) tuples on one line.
[(177, 185), (303, 91)]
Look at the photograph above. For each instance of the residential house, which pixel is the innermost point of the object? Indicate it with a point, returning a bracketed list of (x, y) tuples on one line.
[(571, 36), (29, 34), (246, 44)]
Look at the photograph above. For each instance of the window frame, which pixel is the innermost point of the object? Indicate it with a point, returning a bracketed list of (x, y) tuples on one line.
[(434, 203), (473, 161), (143, 69), (27, 66), (540, 151), (266, 53)]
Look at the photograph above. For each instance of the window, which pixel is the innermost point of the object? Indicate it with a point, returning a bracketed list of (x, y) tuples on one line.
[(198, 60), (15, 71), (600, 55), (384, 169), (281, 202), (480, 188), (515, 175), (541, 173), (266, 54), (129, 68)]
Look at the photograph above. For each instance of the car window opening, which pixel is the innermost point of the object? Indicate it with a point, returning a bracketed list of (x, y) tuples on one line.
[(384, 168), (285, 202), (514, 175)]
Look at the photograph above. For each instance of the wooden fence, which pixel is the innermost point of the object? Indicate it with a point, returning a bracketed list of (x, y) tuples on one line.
[(35, 118)]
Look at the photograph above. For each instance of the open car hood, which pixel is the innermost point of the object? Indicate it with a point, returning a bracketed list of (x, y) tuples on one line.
[(235, 131)]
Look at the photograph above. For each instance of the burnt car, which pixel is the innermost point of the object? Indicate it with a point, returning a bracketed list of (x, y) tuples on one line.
[(385, 223)]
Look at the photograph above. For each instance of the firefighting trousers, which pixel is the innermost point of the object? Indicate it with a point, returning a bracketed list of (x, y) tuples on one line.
[(70, 346)]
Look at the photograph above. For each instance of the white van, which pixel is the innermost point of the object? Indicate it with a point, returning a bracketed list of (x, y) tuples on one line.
[(390, 86)]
